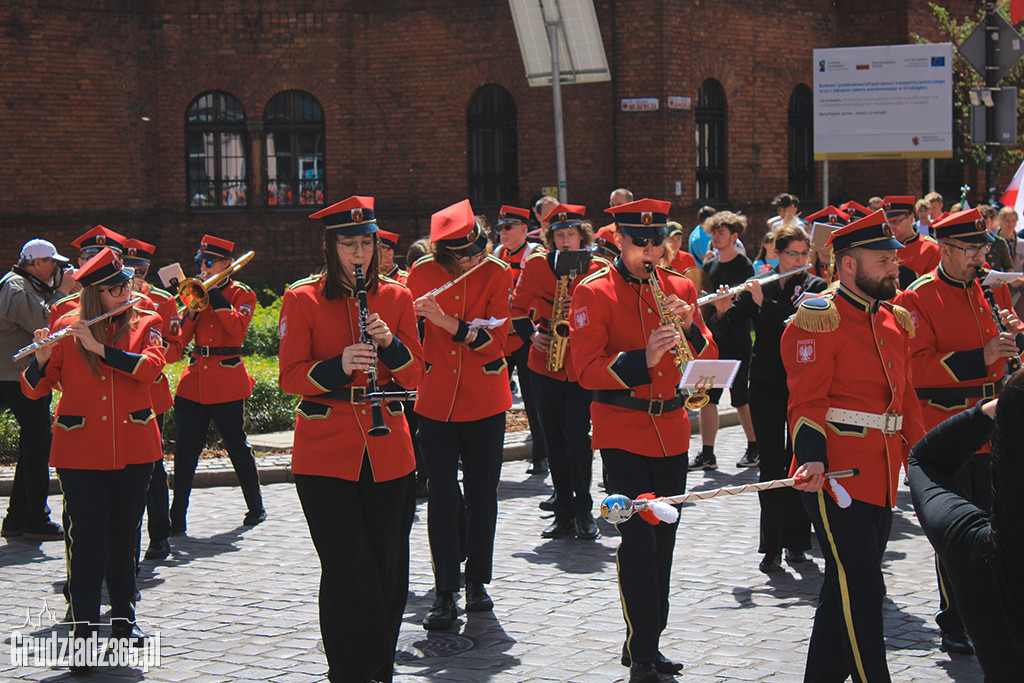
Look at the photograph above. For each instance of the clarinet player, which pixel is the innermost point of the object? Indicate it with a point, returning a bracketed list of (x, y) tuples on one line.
[(356, 490)]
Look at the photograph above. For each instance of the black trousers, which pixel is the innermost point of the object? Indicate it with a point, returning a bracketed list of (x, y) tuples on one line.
[(644, 557), (158, 520), (102, 515), (563, 410), (191, 422), (27, 507), (479, 445), (975, 480), (847, 638), (361, 533), (517, 359), (784, 522)]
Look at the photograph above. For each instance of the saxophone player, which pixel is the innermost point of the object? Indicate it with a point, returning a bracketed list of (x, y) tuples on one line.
[(540, 309), (625, 352)]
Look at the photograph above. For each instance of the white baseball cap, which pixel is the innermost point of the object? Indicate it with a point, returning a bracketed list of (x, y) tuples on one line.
[(34, 249)]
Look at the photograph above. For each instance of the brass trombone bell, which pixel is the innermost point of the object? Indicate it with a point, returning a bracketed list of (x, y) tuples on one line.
[(194, 293)]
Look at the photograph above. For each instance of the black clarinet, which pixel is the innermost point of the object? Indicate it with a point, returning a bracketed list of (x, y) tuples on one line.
[(377, 426), (1013, 362)]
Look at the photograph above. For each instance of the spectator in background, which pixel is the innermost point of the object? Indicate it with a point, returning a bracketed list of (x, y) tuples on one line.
[(675, 257), (788, 208), (934, 200), (26, 294), (700, 238), (922, 214), (1006, 224), (875, 203), (604, 238), (999, 257), (767, 257)]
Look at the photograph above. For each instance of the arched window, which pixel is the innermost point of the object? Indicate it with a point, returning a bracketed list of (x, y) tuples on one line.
[(710, 118), (491, 122), (801, 142), (217, 149), (294, 127)]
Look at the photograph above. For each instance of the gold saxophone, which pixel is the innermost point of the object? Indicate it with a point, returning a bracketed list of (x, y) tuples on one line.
[(559, 326), (697, 398)]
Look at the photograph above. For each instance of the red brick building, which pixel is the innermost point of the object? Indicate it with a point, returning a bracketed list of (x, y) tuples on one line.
[(167, 120)]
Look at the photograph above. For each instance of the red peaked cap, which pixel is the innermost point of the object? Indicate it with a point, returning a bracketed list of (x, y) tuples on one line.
[(97, 238), (872, 232), (349, 217), (215, 247), (642, 218), (388, 238), (138, 253), (456, 228), (566, 216), (512, 214), (829, 214), (105, 268)]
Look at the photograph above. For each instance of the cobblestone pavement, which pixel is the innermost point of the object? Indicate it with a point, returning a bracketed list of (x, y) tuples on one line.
[(235, 604)]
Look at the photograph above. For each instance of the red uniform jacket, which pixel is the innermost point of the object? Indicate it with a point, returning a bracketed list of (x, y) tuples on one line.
[(165, 306), (331, 430), (920, 254), (683, 261), (398, 275), (532, 307), (858, 358), (464, 381), (612, 317), (60, 308), (104, 422), (954, 322), (219, 377), (517, 262)]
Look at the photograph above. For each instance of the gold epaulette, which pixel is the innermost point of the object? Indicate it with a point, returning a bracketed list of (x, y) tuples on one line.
[(817, 315), (903, 317), (311, 279)]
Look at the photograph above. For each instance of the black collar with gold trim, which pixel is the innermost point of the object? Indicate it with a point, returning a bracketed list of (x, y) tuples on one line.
[(626, 275), (913, 238), (952, 281), (856, 300)]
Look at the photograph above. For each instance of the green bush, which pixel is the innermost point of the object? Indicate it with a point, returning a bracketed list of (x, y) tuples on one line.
[(262, 338)]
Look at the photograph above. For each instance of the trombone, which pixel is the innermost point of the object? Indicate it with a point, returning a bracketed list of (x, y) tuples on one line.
[(195, 293)]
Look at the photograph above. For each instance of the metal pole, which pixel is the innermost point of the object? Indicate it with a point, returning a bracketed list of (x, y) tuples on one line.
[(556, 99), (991, 44), (824, 182), (931, 175)]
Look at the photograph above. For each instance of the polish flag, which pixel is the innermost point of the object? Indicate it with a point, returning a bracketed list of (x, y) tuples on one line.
[(1013, 195), (1016, 11)]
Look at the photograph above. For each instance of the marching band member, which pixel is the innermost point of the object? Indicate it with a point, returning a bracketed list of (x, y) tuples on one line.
[(139, 255), (356, 490), (851, 404), (88, 244), (105, 438), (625, 352), (461, 403), (959, 359), (784, 523), (514, 250), (563, 406), (214, 384), (919, 255), (388, 242)]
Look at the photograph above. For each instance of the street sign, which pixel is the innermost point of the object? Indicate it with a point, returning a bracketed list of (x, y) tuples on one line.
[(1004, 102), (1009, 48)]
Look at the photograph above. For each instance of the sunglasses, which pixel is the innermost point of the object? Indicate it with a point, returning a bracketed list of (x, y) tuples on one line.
[(116, 290), (208, 262), (507, 226), (644, 241)]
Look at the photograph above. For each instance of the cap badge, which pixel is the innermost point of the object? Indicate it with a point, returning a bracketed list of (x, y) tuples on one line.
[(132, 251), (646, 217), (101, 239), (886, 229), (888, 206), (562, 217), (203, 246), (833, 218), (357, 215)]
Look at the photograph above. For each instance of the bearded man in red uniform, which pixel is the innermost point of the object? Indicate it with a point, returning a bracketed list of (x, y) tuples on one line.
[(625, 352), (959, 359), (214, 385), (851, 404)]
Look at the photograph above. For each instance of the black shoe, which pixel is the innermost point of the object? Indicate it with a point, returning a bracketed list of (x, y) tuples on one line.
[(957, 643), (771, 562), (586, 528), (662, 664), (254, 518), (11, 527), (47, 531), (538, 467), (124, 631), (643, 673), (421, 489), (703, 462), (177, 528), (796, 556), (442, 612), (752, 458), (158, 550), (547, 505), (477, 599), (559, 528)]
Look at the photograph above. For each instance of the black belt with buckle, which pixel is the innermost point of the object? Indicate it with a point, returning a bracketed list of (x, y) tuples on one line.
[(624, 400), (350, 394), (987, 390), (207, 351)]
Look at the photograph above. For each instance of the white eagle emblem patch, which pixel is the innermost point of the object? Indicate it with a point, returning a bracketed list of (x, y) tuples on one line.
[(155, 338), (805, 351), (282, 329), (246, 310), (581, 317)]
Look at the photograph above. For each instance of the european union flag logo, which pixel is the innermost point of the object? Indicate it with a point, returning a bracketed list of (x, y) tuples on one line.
[(938, 61)]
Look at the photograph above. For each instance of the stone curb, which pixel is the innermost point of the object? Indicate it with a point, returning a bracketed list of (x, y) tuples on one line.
[(221, 473)]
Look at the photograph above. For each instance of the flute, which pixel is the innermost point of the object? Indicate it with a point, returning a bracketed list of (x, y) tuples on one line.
[(60, 334), (732, 291), (438, 290)]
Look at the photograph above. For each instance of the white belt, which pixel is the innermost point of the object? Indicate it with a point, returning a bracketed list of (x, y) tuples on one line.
[(888, 423)]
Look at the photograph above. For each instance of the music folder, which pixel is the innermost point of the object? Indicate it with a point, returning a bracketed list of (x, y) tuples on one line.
[(568, 262), (709, 374)]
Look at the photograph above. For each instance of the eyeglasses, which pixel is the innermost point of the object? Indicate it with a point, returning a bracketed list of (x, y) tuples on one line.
[(971, 252), (208, 262), (352, 247), (116, 290), (644, 241), (794, 254)]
